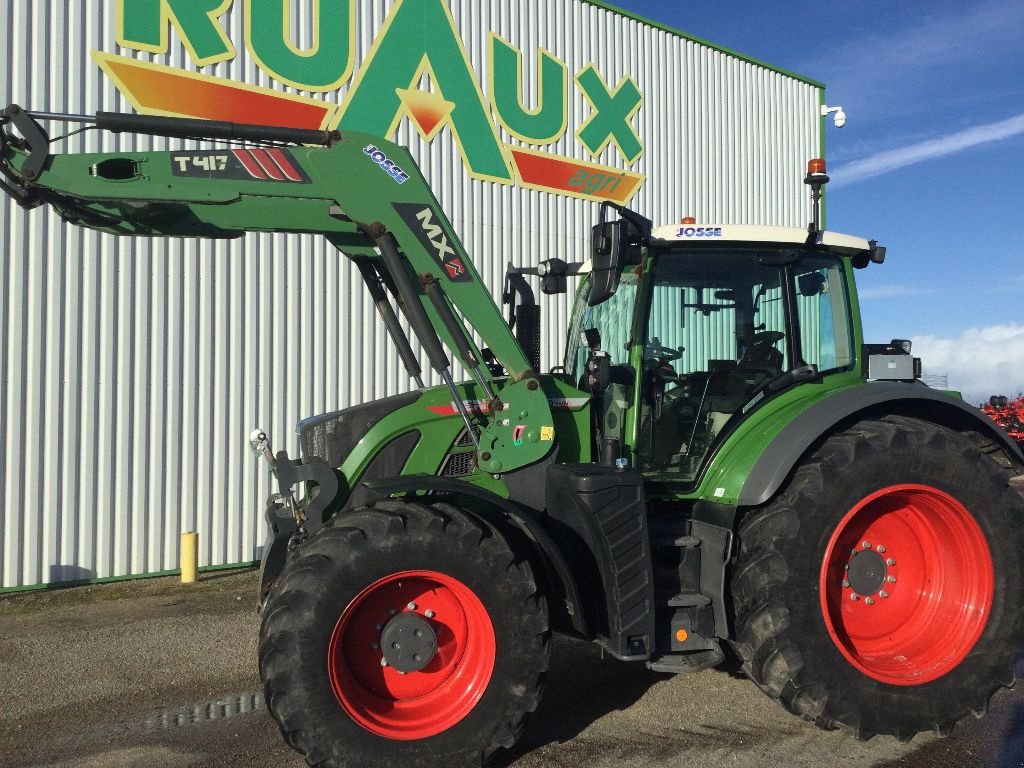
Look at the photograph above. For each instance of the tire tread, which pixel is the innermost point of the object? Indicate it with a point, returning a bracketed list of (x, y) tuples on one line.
[(767, 643), (297, 590)]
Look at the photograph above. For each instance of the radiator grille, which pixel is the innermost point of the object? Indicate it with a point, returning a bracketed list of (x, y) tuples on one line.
[(459, 464), (465, 440)]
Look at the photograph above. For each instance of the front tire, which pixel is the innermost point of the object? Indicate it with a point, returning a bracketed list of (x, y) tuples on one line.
[(405, 634), (880, 590)]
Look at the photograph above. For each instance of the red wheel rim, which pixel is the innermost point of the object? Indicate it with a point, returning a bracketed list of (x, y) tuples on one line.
[(419, 704), (920, 615)]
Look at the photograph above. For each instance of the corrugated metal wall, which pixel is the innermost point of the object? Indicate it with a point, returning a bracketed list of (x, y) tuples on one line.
[(132, 371)]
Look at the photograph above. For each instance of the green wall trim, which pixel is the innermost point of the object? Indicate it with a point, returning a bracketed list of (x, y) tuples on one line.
[(130, 577), (824, 154), (692, 38)]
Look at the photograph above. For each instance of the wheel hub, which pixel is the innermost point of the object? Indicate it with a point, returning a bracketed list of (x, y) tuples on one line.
[(866, 573), (409, 642), (906, 584), (413, 673)]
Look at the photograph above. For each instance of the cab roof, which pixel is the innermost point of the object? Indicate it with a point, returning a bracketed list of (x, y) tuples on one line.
[(709, 234)]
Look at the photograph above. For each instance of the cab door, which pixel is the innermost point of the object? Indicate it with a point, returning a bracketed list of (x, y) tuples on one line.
[(599, 360)]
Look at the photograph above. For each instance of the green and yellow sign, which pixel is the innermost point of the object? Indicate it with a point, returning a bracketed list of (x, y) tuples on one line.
[(417, 69)]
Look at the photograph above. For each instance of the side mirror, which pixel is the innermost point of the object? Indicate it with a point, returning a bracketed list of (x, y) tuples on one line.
[(609, 247), (811, 284)]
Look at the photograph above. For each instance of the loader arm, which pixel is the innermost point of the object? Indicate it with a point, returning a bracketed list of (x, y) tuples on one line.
[(364, 194)]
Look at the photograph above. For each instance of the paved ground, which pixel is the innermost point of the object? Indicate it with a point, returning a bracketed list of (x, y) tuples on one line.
[(152, 675)]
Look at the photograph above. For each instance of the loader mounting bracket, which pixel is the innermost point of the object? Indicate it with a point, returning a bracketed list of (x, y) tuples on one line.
[(38, 146)]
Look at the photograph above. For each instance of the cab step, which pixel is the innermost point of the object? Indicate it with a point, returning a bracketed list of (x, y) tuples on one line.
[(696, 661)]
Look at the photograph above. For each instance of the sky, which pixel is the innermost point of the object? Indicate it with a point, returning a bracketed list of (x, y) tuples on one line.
[(930, 162)]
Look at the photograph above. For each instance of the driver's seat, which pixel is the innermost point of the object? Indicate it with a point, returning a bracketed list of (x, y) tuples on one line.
[(761, 362), (764, 358), (738, 383)]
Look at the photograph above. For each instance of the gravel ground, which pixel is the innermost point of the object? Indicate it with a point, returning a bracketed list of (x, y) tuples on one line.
[(156, 675)]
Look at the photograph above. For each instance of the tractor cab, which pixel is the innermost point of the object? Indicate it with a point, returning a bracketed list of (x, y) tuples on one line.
[(705, 324)]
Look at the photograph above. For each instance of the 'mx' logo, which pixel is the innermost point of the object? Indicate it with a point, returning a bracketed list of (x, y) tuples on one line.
[(425, 224)]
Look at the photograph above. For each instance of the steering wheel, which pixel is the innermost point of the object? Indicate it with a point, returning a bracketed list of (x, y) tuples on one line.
[(657, 351)]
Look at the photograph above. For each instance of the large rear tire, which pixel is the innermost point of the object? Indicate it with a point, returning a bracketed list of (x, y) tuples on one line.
[(403, 634), (881, 590)]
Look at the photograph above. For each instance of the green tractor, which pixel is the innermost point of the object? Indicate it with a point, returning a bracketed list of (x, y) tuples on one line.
[(721, 466)]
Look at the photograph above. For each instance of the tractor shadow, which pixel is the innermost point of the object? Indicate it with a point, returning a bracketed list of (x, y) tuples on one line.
[(581, 687)]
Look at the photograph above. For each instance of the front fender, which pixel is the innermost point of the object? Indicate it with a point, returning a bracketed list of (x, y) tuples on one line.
[(558, 572)]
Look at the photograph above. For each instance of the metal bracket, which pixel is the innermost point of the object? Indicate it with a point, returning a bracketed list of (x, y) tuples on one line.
[(292, 471), (36, 138)]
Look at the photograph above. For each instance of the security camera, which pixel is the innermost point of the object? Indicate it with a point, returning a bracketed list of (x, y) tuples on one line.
[(839, 116)]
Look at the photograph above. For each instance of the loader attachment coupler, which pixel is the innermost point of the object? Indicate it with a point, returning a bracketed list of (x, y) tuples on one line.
[(35, 141)]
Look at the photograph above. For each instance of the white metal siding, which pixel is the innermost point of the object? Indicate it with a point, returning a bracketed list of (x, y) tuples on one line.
[(131, 371)]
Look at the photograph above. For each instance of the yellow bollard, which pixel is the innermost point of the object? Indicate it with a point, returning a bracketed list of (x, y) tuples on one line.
[(189, 557)]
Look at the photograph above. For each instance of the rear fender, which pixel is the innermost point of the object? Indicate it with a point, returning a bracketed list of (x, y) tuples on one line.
[(874, 400)]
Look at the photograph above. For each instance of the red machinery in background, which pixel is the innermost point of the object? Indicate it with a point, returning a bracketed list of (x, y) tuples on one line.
[(1008, 414)]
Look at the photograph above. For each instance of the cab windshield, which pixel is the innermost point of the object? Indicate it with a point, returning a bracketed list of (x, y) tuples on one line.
[(721, 327)]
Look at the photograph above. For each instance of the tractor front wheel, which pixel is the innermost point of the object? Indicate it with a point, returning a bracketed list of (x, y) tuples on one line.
[(880, 590), (403, 634)]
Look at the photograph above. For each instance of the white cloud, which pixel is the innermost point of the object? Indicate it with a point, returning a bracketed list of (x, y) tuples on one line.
[(979, 362), (891, 160), (892, 292), (903, 68), (1011, 284), (926, 40)]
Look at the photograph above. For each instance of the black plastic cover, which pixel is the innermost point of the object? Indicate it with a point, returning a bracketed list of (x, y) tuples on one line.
[(528, 332), (388, 463), (598, 515)]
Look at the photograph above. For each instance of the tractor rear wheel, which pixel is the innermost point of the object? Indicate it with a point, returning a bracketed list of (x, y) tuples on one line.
[(403, 634), (880, 591)]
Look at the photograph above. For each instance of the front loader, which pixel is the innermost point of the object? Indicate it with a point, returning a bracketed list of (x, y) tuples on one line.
[(721, 467)]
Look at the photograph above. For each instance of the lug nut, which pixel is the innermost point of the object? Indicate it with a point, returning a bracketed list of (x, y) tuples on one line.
[(378, 627), (846, 583), (883, 593), (846, 567), (891, 579), (411, 606), (866, 544), (392, 611), (383, 662), (870, 601), (855, 596), (375, 646), (429, 614), (891, 561), (881, 549)]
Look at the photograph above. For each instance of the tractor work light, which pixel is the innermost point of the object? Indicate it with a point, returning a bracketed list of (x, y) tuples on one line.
[(816, 178), (688, 220)]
